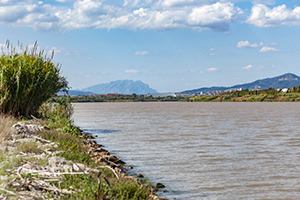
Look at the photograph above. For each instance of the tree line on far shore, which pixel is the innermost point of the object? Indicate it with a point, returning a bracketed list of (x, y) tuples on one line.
[(123, 98)]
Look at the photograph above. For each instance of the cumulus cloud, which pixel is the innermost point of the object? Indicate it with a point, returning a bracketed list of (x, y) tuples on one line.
[(263, 16), (132, 15), (247, 67), (212, 69), (217, 16), (142, 53), (247, 44), (131, 71), (267, 49), (212, 49)]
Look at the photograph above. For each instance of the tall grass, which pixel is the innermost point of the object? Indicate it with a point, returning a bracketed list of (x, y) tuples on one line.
[(6, 123), (27, 79)]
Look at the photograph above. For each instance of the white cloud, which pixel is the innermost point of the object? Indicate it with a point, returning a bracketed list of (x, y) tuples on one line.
[(132, 15), (263, 16), (142, 53), (247, 67), (212, 49), (4, 1), (266, 49), (247, 44), (212, 69), (216, 17), (131, 71)]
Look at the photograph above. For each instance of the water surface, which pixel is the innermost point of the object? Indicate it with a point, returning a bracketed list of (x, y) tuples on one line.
[(204, 150)]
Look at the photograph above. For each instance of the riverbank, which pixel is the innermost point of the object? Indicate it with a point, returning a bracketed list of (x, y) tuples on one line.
[(40, 162), (248, 97)]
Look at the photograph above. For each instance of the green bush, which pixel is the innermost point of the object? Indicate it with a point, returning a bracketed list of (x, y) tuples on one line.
[(27, 80)]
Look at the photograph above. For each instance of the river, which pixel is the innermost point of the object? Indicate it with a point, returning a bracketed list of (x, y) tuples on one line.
[(211, 150)]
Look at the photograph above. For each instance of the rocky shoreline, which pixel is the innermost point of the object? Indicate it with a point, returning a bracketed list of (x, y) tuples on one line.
[(32, 179)]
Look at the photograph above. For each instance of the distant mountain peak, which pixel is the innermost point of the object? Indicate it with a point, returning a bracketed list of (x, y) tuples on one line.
[(288, 77), (121, 87)]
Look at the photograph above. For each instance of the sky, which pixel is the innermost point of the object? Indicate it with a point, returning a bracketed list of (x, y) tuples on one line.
[(171, 45)]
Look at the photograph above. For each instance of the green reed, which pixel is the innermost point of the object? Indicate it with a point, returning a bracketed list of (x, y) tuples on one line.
[(27, 79)]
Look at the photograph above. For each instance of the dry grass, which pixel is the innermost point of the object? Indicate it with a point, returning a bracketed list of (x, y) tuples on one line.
[(28, 147), (6, 123)]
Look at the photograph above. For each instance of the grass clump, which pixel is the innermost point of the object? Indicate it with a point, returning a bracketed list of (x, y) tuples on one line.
[(71, 146), (27, 80), (28, 147)]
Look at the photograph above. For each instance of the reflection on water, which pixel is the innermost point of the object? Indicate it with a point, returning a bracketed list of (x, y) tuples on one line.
[(204, 150)]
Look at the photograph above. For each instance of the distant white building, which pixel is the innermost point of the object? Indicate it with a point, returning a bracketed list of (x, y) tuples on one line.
[(284, 90), (161, 94)]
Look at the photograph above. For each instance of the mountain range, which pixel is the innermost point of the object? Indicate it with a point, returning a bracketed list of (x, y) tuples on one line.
[(121, 87), (288, 80)]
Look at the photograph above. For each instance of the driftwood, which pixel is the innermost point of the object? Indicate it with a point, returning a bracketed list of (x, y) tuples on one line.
[(36, 185), (10, 192), (42, 140), (22, 170)]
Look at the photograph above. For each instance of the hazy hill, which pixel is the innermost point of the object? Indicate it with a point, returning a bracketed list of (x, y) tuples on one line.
[(121, 87), (284, 81)]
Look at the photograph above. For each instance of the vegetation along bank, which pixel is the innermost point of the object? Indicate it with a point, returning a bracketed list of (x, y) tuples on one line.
[(266, 95), (42, 154)]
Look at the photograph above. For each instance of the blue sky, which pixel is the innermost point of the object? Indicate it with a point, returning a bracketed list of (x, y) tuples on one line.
[(172, 45)]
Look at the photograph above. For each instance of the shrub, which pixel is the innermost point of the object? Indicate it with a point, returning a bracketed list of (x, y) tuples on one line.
[(27, 79)]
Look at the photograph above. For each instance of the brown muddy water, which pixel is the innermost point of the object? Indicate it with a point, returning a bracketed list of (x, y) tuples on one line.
[(204, 150)]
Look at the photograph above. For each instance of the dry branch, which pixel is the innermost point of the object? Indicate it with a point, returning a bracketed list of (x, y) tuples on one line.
[(110, 169)]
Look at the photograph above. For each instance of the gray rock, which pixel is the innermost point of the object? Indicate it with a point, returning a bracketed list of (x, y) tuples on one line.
[(140, 176), (160, 185), (82, 166)]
